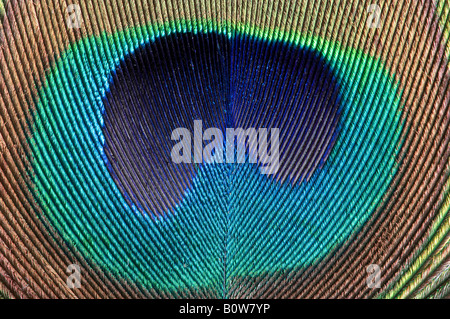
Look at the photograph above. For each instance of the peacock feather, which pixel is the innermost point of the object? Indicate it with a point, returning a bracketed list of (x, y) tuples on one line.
[(92, 93)]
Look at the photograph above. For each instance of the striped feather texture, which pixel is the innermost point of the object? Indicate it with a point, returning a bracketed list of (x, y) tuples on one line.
[(92, 90)]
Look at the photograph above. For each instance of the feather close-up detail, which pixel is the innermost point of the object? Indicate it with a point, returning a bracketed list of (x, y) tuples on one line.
[(225, 149)]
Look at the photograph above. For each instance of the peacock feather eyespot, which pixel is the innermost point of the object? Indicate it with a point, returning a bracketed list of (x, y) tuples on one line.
[(92, 102)]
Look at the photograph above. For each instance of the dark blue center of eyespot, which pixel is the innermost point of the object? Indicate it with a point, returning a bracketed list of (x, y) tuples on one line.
[(239, 82)]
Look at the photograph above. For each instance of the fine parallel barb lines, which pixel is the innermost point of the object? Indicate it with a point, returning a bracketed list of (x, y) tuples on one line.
[(224, 149)]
